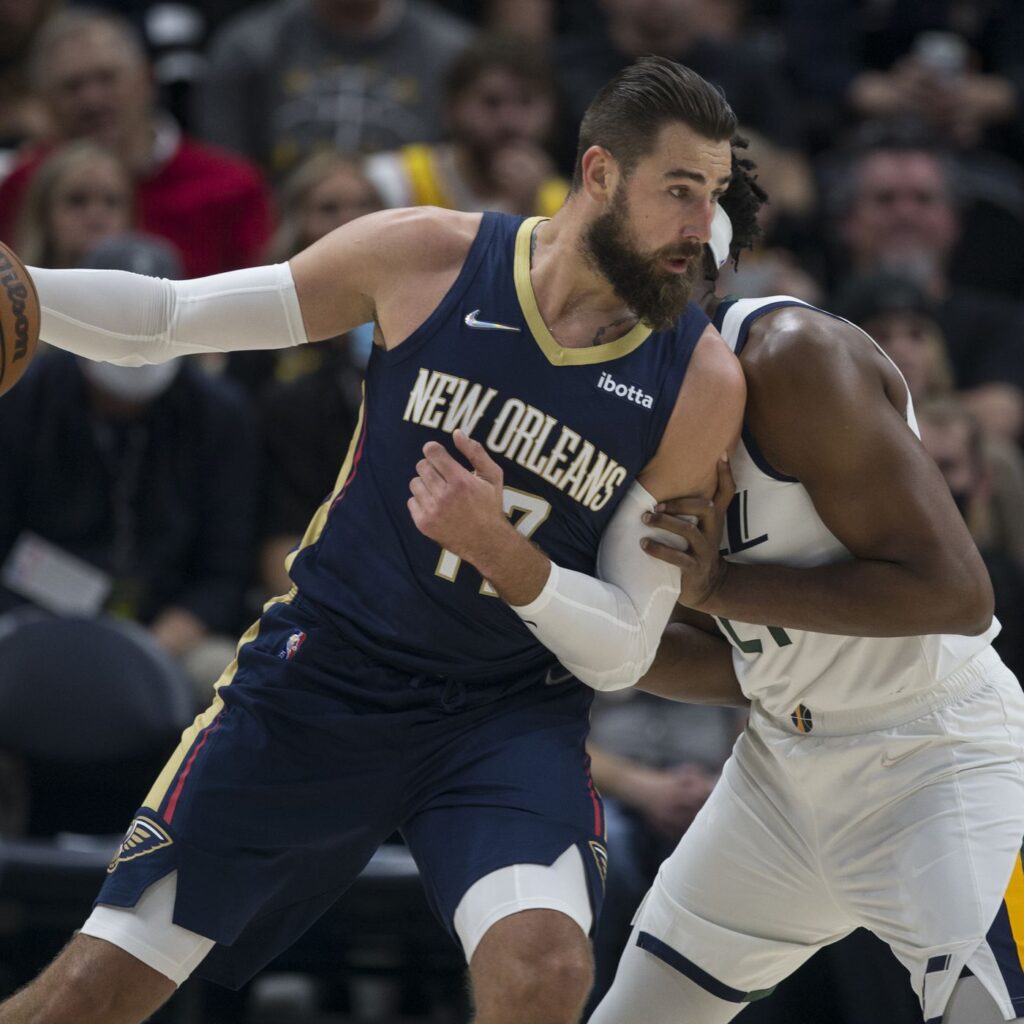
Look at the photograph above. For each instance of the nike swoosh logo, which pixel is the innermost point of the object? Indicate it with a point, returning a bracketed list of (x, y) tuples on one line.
[(486, 325), (552, 680), (888, 762)]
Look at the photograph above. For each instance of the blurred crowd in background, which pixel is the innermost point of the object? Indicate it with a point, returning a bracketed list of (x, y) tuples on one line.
[(182, 139)]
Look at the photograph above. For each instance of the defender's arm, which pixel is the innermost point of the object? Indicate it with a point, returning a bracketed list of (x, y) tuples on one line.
[(828, 411)]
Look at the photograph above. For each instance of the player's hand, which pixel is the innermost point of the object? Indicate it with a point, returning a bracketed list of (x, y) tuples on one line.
[(459, 508), (700, 522)]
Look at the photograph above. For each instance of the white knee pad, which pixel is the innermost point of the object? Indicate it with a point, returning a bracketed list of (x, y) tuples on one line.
[(147, 931), (561, 886)]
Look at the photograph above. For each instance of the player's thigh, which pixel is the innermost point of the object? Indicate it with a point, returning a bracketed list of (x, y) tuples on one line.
[(741, 902), (511, 821), (929, 871)]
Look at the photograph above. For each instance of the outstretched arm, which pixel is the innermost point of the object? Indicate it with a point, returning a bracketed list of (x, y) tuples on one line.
[(347, 278)]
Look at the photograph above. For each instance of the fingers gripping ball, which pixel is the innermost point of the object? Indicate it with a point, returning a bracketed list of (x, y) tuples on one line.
[(19, 319)]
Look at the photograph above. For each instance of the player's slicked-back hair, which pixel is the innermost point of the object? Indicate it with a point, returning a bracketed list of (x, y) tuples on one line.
[(626, 116)]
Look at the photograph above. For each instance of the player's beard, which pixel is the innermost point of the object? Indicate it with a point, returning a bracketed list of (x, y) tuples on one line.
[(654, 294)]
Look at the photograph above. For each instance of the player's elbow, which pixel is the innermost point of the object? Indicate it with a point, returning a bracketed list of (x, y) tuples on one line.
[(970, 602)]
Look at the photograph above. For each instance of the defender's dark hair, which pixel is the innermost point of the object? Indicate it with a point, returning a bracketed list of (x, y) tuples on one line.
[(742, 200), (626, 116), (517, 56)]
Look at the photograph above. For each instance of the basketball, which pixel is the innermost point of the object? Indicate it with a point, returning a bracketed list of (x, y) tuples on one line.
[(19, 319)]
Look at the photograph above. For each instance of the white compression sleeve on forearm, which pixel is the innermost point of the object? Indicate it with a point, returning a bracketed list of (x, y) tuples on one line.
[(606, 631), (130, 319)]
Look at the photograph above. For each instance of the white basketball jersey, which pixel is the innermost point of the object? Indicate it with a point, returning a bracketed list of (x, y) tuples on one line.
[(772, 520)]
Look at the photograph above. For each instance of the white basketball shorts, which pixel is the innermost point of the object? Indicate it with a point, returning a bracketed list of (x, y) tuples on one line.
[(913, 832)]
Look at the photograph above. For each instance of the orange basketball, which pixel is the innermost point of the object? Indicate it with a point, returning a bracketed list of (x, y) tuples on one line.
[(19, 319)]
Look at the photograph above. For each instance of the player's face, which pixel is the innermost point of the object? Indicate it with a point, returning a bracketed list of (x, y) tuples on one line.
[(90, 202), (649, 242), (97, 88), (500, 109)]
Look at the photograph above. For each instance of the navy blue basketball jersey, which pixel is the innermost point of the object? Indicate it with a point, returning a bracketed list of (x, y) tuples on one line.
[(570, 428)]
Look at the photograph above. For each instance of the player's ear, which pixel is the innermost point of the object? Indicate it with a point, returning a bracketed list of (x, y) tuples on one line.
[(600, 173)]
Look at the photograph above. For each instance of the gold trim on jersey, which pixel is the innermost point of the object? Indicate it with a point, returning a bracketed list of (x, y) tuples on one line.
[(319, 520), (559, 355)]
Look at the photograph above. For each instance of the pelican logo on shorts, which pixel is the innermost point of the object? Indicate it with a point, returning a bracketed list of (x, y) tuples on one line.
[(802, 718), (600, 859), (144, 836), (295, 642)]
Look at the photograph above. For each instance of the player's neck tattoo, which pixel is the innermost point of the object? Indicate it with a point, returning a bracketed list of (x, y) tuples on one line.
[(598, 339)]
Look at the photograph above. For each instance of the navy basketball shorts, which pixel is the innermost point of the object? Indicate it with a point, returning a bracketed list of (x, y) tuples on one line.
[(312, 755)]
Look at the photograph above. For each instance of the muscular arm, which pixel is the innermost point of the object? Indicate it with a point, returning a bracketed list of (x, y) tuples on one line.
[(694, 664), (393, 266), (826, 409)]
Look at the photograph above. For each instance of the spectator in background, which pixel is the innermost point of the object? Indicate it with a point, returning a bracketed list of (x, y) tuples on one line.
[(308, 420), (23, 117), (353, 76), (896, 211), (897, 313), (91, 70), (957, 66), (499, 108), (755, 87), (81, 193), (147, 475), (954, 439)]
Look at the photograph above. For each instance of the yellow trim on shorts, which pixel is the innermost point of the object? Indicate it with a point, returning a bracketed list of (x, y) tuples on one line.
[(158, 791), (556, 354), (1015, 908)]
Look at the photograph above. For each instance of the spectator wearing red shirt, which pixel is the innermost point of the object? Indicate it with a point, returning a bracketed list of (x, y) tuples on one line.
[(91, 70)]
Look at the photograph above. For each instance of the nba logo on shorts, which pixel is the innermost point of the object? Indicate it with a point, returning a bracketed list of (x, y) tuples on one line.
[(295, 641)]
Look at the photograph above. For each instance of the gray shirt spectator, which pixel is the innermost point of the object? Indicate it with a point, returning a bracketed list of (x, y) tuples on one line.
[(294, 76)]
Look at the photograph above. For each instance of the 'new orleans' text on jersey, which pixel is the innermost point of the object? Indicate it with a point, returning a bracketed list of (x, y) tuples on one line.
[(568, 444)]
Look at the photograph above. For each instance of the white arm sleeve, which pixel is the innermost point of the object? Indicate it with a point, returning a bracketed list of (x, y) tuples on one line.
[(606, 631), (130, 319)]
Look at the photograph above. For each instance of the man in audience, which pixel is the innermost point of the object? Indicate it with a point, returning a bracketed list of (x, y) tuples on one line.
[(91, 70), (357, 76), (500, 111), (896, 211)]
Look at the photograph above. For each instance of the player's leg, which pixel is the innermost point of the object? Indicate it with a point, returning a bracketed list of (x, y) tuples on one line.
[(739, 905), (508, 836), (935, 869), (524, 930), (90, 982), (533, 965), (646, 988)]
